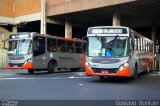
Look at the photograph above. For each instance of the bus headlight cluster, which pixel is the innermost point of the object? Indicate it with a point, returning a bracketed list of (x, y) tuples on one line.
[(123, 66), (28, 60), (87, 64)]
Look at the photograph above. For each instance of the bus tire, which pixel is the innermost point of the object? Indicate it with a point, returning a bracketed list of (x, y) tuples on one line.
[(135, 75), (101, 77), (52, 67), (31, 71)]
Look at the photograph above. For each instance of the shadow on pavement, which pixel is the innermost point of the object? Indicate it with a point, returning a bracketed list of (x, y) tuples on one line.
[(119, 79), (46, 72)]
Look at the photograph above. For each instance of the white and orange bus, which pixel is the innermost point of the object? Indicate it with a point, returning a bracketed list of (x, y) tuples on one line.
[(117, 51), (37, 52)]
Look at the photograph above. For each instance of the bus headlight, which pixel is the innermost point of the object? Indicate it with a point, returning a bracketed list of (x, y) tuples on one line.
[(28, 60), (123, 66), (88, 65), (126, 64)]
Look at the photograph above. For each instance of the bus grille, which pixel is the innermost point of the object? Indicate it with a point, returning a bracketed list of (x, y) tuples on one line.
[(18, 65), (16, 57), (98, 70)]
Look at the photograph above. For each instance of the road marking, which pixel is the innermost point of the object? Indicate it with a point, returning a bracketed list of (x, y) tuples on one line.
[(80, 84), (71, 77), (81, 73), (56, 78), (5, 75)]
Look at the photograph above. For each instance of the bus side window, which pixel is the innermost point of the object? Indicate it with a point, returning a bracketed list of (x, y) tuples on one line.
[(70, 47), (38, 46), (51, 45), (136, 45), (84, 47), (78, 47), (141, 44), (61, 46), (30, 48), (132, 44), (151, 47)]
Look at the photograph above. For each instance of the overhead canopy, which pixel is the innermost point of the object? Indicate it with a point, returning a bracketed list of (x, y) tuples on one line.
[(85, 13)]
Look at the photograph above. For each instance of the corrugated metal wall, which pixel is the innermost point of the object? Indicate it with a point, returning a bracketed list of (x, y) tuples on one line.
[(3, 58)]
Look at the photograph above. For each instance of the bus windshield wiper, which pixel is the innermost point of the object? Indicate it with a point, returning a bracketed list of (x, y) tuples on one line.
[(108, 46)]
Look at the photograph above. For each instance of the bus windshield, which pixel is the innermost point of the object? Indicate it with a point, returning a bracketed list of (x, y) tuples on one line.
[(108, 46), (20, 47)]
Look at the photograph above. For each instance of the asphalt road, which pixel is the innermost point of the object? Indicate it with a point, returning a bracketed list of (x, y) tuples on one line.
[(19, 85)]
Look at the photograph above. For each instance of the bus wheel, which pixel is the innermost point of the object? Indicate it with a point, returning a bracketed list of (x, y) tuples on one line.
[(101, 77), (31, 71), (52, 67), (135, 73)]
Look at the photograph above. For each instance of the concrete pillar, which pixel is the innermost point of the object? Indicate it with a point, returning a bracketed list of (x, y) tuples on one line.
[(43, 17), (14, 29), (116, 19), (68, 29)]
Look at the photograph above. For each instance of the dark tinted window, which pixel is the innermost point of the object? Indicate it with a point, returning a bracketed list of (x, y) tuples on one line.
[(70, 47), (78, 47), (38, 46), (61, 46), (51, 45)]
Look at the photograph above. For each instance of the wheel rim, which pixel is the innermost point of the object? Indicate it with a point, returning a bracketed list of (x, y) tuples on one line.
[(50, 67), (55, 68), (135, 72)]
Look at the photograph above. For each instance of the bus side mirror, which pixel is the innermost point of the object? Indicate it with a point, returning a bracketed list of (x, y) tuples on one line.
[(84, 38), (3, 45), (5, 48), (157, 48), (132, 44)]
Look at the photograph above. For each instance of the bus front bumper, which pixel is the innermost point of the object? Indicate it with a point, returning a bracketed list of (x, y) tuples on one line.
[(125, 72), (20, 66)]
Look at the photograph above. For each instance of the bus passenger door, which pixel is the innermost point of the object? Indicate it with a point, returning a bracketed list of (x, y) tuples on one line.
[(39, 58)]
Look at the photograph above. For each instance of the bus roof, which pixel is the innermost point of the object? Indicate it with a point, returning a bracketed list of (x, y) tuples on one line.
[(48, 36)]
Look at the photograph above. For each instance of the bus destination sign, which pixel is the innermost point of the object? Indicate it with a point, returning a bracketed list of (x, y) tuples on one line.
[(107, 31), (17, 36)]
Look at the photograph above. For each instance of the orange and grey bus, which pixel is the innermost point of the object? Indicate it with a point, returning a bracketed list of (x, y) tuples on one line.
[(117, 51), (35, 52)]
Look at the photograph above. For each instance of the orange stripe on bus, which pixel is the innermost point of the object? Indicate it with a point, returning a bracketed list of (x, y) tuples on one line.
[(14, 68), (125, 73), (83, 60), (27, 65), (88, 71), (7, 66), (68, 39)]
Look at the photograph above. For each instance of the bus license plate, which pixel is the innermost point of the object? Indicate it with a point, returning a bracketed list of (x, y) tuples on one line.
[(104, 71), (15, 66)]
